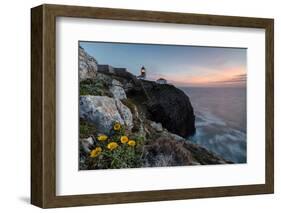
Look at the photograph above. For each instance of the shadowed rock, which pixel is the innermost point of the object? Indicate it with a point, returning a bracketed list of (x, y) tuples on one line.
[(167, 105)]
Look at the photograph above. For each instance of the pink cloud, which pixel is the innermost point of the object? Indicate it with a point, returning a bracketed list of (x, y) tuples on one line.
[(206, 77)]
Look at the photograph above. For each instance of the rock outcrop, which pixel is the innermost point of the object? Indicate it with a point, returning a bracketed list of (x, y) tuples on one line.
[(88, 65), (167, 105), (117, 90), (168, 151), (103, 111)]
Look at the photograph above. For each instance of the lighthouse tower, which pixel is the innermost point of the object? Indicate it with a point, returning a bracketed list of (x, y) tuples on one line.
[(142, 73)]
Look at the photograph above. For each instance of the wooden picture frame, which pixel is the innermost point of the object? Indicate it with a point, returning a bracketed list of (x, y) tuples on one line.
[(43, 105)]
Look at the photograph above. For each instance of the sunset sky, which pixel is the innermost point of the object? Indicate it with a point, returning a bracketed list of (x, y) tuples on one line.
[(190, 66)]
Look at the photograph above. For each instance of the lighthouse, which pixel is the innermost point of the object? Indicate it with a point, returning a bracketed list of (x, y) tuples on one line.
[(142, 73)]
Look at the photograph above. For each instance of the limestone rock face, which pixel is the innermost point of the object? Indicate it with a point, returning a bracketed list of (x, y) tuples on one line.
[(117, 90), (103, 111), (86, 144), (157, 126), (88, 66)]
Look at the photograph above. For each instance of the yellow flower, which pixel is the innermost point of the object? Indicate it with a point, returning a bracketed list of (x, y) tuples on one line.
[(95, 152), (112, 145), (124, 139), (132, 143), (117, 126), (102, 137)]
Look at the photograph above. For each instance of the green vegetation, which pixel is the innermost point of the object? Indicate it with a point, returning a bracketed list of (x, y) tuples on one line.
[(86, 129), (93, 87), (116, 150)]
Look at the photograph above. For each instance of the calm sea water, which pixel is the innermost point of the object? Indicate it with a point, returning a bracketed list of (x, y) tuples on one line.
[(220, 121)]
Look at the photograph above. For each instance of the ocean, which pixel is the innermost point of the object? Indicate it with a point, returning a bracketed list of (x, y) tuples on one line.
[(221, 121)]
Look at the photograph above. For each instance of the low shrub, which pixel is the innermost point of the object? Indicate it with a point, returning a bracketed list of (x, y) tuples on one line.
[(94, 87), (86, 129)]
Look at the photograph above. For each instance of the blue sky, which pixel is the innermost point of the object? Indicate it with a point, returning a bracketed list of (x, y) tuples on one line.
[(180, 65)]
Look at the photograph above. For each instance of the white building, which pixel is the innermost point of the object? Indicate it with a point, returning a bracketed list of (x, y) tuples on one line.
[(161, 81)]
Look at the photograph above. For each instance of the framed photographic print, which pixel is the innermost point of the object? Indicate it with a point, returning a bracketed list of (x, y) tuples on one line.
[(136, 106)]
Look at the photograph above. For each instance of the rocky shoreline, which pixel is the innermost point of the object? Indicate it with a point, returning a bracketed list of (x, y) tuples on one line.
[(157, 117)]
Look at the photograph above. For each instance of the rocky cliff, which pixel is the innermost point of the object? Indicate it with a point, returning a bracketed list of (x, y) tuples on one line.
[(88, 66), (158, 116), (167, 105)]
